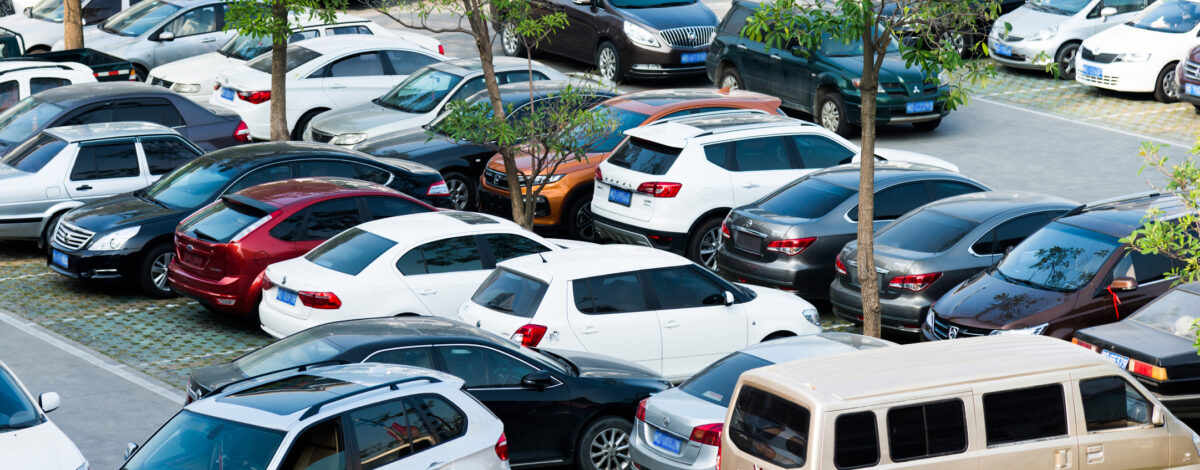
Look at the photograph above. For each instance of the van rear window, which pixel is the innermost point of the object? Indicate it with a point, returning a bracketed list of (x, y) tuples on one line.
[(350, 252), (644, 156), (1024, 414), (770, 428)]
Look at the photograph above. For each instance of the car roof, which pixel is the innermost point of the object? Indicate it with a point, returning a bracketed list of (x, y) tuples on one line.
[(584, 262), (303, 190), (326, 45), (651, 102), (886, 173), (400, 229), (469, 66), (517, 94), (400, 331), (79, 93), (263, 153), (981, 206), (22, 64), (820, 344), (314, 21), (676, 132), (1119, 217), (108, 130)]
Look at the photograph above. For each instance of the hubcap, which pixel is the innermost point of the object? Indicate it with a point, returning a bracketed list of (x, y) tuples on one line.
[(730, 82), (458, 193), (830, 116), (509, 40), (610, 450), (1169, 86), (583, 223), (1067, 66), (158, 270), (709, 245), (608, 63)]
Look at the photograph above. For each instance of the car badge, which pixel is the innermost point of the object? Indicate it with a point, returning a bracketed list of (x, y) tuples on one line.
[(190, 247), (666, 421), (953, 332), (691, 35), (916, 89), (284, 280)]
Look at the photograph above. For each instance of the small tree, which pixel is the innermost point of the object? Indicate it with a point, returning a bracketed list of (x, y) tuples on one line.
[(72, 25), (803, 25), (272, 19)]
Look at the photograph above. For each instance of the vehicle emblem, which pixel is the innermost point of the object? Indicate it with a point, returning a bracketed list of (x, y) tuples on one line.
[(284, 280), (190, 247), (691, 35), (916, 89), (666, 421), (952, 332)]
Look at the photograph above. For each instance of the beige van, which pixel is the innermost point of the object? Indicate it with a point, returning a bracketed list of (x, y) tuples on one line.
[(992, 402)]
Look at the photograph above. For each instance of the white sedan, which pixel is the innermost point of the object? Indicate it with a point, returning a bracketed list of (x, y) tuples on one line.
[(42, 25), (417, 264), (1141, 55), (322, 74), (640, 304), (27, 437)]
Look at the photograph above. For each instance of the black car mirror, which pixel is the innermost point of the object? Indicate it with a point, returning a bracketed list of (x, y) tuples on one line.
[(130, 448), (541, 378)]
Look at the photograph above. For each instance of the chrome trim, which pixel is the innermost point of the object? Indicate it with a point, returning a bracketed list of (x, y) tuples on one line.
[(750, 231), (71, 236), (911, 119), (688, 36)]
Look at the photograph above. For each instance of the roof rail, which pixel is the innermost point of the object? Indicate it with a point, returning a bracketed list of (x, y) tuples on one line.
[(299, 368), (752, 126), (719, 112), (394, 385), (1127, 197)]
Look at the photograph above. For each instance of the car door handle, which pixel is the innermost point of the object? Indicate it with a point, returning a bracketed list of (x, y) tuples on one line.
[(589, 330), (776, 57), (671, 324), (750, 185), (1062, 458), (210, 40), (434, 464), (83, 188), (1095, 454), (337, 87), (741, 46), (427, 291)]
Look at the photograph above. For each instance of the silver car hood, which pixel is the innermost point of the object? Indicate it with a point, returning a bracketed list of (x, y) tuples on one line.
[(364, 118), (1026, 21), (107, 43)]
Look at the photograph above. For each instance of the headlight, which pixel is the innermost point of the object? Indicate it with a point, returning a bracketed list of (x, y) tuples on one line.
[(186, 88), (1033, 330), (857, 81), (812, 316), (929, 319), (1044, 34), (640, 35), (114, 240), (349, 139), (542, 179), (1133, 57)]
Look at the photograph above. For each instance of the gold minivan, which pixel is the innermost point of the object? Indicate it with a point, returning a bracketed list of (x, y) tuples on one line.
[(992, 402)]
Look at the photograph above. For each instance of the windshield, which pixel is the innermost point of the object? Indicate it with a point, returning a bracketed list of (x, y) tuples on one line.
[(16, 411), (422, 92), (649, 3), (621, 119), (296, 56), (1059, 7), (34, 154), (246, 47), (192, 441), (49, 10), (1169, 16), (924, 231), (221, 221), (715, 383), (1059, 257), (191, 185), (20, 122), (300, 348), (139, 18), (834, 48), (1173, 313)]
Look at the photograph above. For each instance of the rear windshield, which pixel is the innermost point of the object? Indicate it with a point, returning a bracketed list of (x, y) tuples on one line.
[(508, 292), (296, 56), (715, 383), (807, 198), (925, 232), (297, 349), (770, 428), (220, 222), (34, 154), (644, 156), (1172, 313), (349, 252)]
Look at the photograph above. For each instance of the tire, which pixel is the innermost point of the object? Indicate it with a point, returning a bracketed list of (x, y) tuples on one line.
[(731, 78), (778, 335), (830, 113), (143, 73), (1065, 58), (152, 271), (957, 40), (927, 126), (579, 217), (704, 242), (511, 44), (302, 123), (462, 190), (37, 50), (608, 62), (608, 440), (1197, 108), (1165, 88), (48, 231)]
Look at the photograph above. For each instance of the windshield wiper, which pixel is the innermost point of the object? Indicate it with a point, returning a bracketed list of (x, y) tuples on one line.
[(200, 233), (562, 360), (141, 194)]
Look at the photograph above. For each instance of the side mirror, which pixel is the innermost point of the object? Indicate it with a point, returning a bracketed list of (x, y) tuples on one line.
[(729, 298), (1107, 12), (1123, 284), (49, 401), (541, 378), (1156, 417), (797, 51), (166, 36), (28, 12), (582, 2), (130, 448)]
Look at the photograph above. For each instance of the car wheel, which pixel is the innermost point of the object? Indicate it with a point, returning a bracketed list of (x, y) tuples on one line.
[(511, 44), (956, 40), (1197, 107), (1066, 60), (605, 445), (928, 125), (705, 241), (152, 275), (731, 79), (1165, 89), (143, 74), (608, 62), (579, 218), (831, 114), (48, 231), (302, 123), (462, 192)]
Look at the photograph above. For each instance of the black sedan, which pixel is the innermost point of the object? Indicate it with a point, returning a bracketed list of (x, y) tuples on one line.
[(1157, 345), (131, 236), (555, 405), (94, 103)]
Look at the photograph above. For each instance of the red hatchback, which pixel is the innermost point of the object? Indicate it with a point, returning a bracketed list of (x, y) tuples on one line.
[(221, 250)]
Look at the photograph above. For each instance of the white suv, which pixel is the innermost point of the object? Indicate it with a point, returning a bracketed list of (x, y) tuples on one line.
[(635, 303), (671, 183), (368, 416)]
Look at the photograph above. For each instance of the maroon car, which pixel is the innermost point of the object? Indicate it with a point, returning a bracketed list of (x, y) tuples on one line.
[(221, 250), (1071, 274), (1188, 76)]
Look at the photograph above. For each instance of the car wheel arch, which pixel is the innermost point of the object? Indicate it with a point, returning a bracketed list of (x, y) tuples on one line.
[(717, 212), (620, 411), (826, 84)]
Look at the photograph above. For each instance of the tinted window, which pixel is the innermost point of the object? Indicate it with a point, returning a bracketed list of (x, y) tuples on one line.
[(296, 55), (328, 218), (10, 94), (220, 221), (1112, 403), (683, 287), (406, 62), (348, 30), (300, 348), (1172, 313), (24, 119), (416, 357), (715, 383), (644, 156), (40, 84), (821, 152), (720, 155), (1009, 234), (385, 433), (472, 86), (505, 78), (96, 11), (199, 21), (296, 37), (17, 409), (1143, 267), (927, 430), (481, 367), (1058, 257), (614, 293), (443, 256), (770, 428), (447, 421), (944, 189), (349, 252), (736, 20), (156, 111), (622, 120), (268, 174), (315, 168), (360, 65), (511, 293), (92, 115), (894, 202), (32, 155), (765, 153), (165, 154), (807, 198), (1025, 414), (103, 161), (925, 231), (382, 206), (855, 440), (1126, 6), (507, 246)]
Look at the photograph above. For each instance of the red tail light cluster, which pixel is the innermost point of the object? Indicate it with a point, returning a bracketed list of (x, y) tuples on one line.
[(725, 230), (242, 133), (264, 282), (790, 247), (914, 282), (599, 174), (658, 188), (839, 267), (442, 51), (641, 411), (1085, 344), (708, 434), (255, 97), (529, 335), (502, 444), (320, 300)]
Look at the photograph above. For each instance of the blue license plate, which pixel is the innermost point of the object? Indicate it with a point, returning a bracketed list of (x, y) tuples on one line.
[(286, 296), (227, 93), (1091, 71), (667, 441), (919, 107), (619, 196), (1002, 49), (59, 258), (1119, 360), (692, 57), (1191, 89)]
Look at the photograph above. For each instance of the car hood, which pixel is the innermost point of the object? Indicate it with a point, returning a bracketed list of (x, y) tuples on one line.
[(33, 31), (525, 162), (209, 378), (1026, 21), (914, 157), (988, 301), (41, 446), (123, 210), (368, 118), (1123, 38), (107, 43), (696, 14), (893, 70), (415, 143), (195, 69), (601, 366)]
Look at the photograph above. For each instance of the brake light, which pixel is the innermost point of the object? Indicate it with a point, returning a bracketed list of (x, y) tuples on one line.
[(659, 189), (438, 189), (599, 174), (264, 282), (242, 133), (320, 300), (529, 335), (1147, 370), (1085, 344), (790, 247), (641, 411), (502, 443), (708, 434), (914, 282), (216, 86), (255, 97), (839, 267), (442, 51), (725, 230)]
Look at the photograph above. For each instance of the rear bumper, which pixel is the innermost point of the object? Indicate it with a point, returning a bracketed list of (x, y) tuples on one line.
[(807, 280), (631, 235), (646, 458), (228, 294), (904, 314), (279, 324), (1182, 406)]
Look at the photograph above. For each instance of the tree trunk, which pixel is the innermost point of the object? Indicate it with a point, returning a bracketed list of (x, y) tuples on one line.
[(72, 25), (868, 86), (279, 127)]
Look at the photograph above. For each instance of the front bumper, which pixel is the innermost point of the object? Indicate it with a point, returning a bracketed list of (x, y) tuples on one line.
[(1032, 55), (1136, 77), (631, 235), (905, 313), (666, 61), (279, 324), (792, 274), (491, 202), (97, 265), (228, 294), (893, 109)]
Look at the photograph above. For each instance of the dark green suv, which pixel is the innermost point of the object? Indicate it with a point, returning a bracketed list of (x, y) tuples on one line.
[(824, 81)]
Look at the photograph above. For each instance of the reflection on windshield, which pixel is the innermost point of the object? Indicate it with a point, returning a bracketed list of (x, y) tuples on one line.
[(621, 119), (422, 92), (246, 47), (835, 48), (16, 411), (1058, 257), (300, 348), (49, 10), (195, 441), (1173, 313), (191, 185), (139, 18), (1059, 7), (20, 122), (1169, 16)]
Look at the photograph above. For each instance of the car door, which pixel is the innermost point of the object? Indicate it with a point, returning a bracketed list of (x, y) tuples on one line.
[(400, 434), (443, 273), (505, 246), (816, 151), (1116, 429), (1105, 306), (756, 65), (538, 420), (320, 446), (895, 201), (784, 73), (611, 315), (758, 166), (195, 31), (578, 37), (1027, 425), (406, 62), (165, 153), (104, 168), (697, 327), (357, 78)]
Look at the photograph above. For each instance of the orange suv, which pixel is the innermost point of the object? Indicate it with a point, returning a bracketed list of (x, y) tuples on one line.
[(565, 202)]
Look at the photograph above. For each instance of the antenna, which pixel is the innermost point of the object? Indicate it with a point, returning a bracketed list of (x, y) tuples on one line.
[(542, 257)]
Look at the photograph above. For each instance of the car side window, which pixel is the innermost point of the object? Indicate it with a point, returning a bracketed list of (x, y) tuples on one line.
[(926, 430), (1113, 403), (518, 76), (895, 201), (40, 84), (385, 433), (1008, 234), (451, 255), (944, 189), (105, 160), (91, 115), (380, 207), (683, 287), (1024, 414), (165, 154), (348, 30), (276, 172), (10, 94), (197, 21), (416, 357), (482, 367), (1125, 6), (158, 111), (736, 20), (507, 246), (286, 230), (407, 62), (328, 218), (313, 168), (614, 293), (302, 35), (688, 112), (762, 154), (358, 65), (719, 155), (855, 440), (1143, 267), (467, 89), (445, 420), (99, 10), (321, 447), (820, 152)]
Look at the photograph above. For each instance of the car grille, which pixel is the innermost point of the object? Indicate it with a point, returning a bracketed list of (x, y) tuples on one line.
[(495, 178), (1110, 80), (160, 82), (688, 36), (898, 89), (318, 136), (1191, 70), (941, 329), (71, 237), (1089, 54)]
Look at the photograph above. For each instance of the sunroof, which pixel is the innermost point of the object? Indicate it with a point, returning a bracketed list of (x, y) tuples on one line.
[(469, 217), (287, 396)]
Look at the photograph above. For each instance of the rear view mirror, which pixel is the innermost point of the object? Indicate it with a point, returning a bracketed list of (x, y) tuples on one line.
[(49, 401), (166, 36), (541, 378), (130, 448), (1107, 12), (1123, 284), (1156, 416), (583, 2), (28, 12), (729, 298)]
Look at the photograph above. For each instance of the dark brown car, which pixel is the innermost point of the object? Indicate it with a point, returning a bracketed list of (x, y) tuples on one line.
[(1188, 76), (628, 38), (1071, 274)]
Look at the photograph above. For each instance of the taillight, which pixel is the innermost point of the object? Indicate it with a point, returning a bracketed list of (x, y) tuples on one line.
[(263, 282), (1085, 344), (438, 189), (718, 457), (599, 174), (641, 411), (708, 434), (1147, 370), (839, 267), (914, 282), (442, 51), (658, 188), (725, 230), (255, 97), (502, 444), (242, 133), (790, 247), (320, 300), (216, 86), (529, 335)]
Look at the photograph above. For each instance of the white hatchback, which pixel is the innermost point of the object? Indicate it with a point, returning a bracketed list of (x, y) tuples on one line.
[(635, 303), (416, 264), (21, 78), (1142, 54), (27, 437)]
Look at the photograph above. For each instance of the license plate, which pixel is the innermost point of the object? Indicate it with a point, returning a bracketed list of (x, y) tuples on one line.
[(1191, 89), (286, 296), (227, 93), (667, 441), (1119, 360), (1091, 71), (619, 196), (919, 107), (747, 242), (692, 57), (1002, 49), (59, 258)]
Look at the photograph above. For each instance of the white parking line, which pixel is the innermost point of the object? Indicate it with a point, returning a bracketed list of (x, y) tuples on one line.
[(1035, 90), (26, 276), (1174, 109), (1083, 123)]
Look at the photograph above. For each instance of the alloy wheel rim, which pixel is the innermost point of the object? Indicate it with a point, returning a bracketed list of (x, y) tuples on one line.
[(956, 40), (610, 450), (509, 40), (608, 63), (709, 244), (458, 193), (583, 223), (1068, 65), (729, 82), (830, 116), (1170, 88), (158, 270)]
